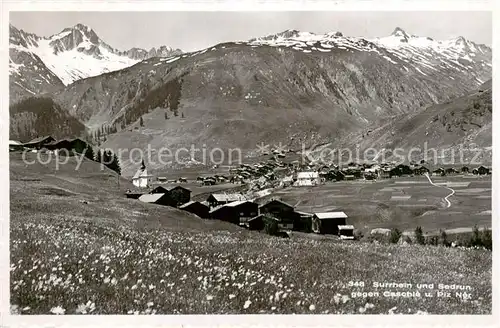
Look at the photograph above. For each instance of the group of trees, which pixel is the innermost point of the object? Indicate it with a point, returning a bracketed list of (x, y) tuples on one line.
[(106, 157), (476, 239), (109, 159)]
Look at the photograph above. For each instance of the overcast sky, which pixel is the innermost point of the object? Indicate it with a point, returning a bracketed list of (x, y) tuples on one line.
[(197, 30)]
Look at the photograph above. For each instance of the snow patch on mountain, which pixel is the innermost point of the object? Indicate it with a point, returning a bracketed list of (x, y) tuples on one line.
[(78, 52)]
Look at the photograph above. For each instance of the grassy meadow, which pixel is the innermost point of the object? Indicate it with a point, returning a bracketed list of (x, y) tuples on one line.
[(78, 246)]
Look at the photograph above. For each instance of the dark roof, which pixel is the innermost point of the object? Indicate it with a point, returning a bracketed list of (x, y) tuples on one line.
[(279, 201), (158, 189), (39, 139), (192, 202), (179, 187)]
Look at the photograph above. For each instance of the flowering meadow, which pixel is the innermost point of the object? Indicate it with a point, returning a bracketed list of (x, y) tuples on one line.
[(63, 266), (77, 246)]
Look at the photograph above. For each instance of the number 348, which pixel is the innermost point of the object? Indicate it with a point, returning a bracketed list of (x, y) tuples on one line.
[(356, 284)]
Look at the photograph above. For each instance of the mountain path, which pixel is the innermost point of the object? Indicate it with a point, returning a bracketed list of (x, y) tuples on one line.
[(445, 198)]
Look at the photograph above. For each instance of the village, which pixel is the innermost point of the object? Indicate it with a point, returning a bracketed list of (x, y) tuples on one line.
[(252, 208), (250, 203)]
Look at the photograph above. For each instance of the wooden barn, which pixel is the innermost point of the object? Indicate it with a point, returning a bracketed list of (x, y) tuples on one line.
[(464, 169), (196, 208), (451, 171), (237, 212), (439, 172), (482, 170), (133, 195), (328, 222), (180, 195), (401, 170), (160, 199), (385, 173), (219, 199), (159, 190), (39, 143), (76, 145), (346, 231), (282, 211), (420, 170), (15, 145), (256, 223)]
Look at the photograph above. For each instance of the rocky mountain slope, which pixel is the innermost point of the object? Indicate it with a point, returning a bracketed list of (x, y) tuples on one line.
[(292, 87), (74, 53), (38, 116), (459, 127)]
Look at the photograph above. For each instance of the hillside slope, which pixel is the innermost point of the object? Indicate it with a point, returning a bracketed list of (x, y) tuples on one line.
[(463, 122), (40, 116), (108, 247)]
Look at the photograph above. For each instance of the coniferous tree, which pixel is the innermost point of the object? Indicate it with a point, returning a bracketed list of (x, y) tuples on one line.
[(98, 156), (89, 152), (141, 122), (419, 236)]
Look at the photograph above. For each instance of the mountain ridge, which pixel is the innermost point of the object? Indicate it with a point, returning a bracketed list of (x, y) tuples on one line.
[(74, 53), (294, 88)]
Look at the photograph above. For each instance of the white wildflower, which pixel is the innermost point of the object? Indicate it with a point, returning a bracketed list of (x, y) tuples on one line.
[(57, 310), (312, 307), (247, 304)]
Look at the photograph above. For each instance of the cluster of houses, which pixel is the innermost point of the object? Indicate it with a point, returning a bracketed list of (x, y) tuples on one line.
[(238, 209), (48, 143), (355, 171)]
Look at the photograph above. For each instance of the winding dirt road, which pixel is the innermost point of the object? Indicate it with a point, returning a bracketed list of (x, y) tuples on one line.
[(446, 198)]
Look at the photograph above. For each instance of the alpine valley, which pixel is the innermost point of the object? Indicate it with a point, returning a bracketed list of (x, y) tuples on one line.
[(291, 87)]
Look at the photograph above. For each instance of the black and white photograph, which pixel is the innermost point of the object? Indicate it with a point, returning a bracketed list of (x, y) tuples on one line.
[(249, 162)]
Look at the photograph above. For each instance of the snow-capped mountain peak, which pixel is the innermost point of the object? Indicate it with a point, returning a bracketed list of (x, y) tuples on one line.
[(401, 34), (77, 52)]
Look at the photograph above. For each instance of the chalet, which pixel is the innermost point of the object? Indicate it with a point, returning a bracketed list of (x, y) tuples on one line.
[(349, 177), (182, 180), (282, 211), (385, 173), (15, 145), (371, 173), (237, 212), (159, 190), (196, 208), (304, 222), (209, 181), (450, 171), (256, 223), (307, 179), (482, 170), (133, 195), (420, 170), (439, 172), (160, 199), (215, 200), (161, 179), (400, 170), (141, 178), (464, 169), (180, 195), (346, 231), (38, 143), (328, 222), (76, 145)]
